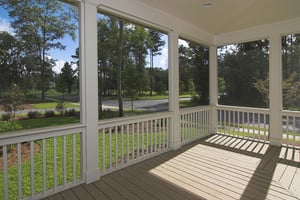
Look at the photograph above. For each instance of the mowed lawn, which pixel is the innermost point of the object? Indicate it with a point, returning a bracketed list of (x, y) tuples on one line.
[(51, 105), (130, 144)]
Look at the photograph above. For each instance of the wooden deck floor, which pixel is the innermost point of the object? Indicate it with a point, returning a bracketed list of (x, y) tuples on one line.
[(218, 167)]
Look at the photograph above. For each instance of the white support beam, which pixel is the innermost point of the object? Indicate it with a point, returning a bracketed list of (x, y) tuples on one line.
[(89, 88), (213, 87), (175, 139), (275, 71)]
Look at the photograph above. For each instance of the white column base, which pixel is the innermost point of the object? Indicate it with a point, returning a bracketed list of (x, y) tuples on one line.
[(176, 145), (276, 142), (92, 176)]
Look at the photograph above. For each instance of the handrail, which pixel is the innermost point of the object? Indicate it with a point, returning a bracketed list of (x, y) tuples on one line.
[(246, 109), (132, 119), (41, 133)]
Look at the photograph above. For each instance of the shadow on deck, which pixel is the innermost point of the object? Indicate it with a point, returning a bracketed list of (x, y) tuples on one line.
[(216, 167)]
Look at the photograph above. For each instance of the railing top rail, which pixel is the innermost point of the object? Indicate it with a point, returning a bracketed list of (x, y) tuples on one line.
[(194, 109), (133, 119), (291, 113), (41, 133), (245, 109)]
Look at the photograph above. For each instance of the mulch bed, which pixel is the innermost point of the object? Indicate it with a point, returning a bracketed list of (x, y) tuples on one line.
[(12, 156)]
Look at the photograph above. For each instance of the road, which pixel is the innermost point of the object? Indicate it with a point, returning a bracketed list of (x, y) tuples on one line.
[(145, 105)]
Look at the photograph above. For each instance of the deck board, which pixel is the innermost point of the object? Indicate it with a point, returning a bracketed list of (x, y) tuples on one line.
[(218, 167)]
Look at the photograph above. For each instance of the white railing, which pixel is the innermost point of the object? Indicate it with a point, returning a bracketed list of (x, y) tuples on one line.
[(291, 128), (35, 164), (195, 123), (243, 122), (126, 141)]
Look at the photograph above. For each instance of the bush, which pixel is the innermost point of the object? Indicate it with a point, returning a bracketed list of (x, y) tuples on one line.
[(33, 114), (49, 113), (8, 126), (108, 114), (70, 112), (60, 106), (6, 116)]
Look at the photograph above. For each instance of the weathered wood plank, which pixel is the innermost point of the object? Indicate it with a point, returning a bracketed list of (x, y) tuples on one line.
[(55, 197), (94, 191), (218, 167), (81, 193), (69, 194)]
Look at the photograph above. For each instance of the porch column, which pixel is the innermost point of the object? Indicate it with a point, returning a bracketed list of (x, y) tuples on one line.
[(275, 88), (89, 88), (175, 139), (213, 87)]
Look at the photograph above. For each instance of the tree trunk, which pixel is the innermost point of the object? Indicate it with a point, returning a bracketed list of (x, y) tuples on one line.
[(151, 72), (120, 66)]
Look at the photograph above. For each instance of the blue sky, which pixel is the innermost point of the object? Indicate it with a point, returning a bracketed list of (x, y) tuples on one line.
[(61, 56)]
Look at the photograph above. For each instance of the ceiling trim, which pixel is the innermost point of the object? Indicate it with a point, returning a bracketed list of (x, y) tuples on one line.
[(259, 32)]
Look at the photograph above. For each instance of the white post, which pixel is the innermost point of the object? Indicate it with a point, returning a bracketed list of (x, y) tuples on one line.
[(89, 88), (275, 71), (175, 139), (213, 87)]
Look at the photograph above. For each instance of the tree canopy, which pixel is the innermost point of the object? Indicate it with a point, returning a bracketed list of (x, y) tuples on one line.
[(39, 25)]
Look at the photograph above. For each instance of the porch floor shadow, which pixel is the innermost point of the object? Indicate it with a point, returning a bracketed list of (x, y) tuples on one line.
[(216, 167)]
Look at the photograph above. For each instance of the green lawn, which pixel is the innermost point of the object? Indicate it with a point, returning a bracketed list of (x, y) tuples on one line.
[(133, 140), (51, 105), (36, 123), (38, 168)]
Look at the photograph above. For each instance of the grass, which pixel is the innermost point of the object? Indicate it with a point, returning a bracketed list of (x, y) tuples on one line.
[(36, 123), (188, 103), (52, 105), (134, 140), (45, 122), (38, 168)]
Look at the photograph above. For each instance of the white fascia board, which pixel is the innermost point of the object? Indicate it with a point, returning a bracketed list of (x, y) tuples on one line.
[(259, 32), (141, 13)]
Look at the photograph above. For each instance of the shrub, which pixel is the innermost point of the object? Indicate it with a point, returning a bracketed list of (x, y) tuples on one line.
[(70, 112), (49, 113), (33, 114), (8, 126), (6, 116), (107, 114), (60, 106)]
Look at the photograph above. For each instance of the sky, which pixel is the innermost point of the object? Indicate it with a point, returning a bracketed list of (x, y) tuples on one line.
[(61, 56)]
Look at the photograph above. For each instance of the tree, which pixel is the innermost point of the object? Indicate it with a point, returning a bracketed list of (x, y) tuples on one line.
[(291, 71), (120, 66), (244, 68), (193, 71), (67, 77), (155, 47), (185, 73), (11, 57), (15, 99), (200, 71), (131, 81), (138, 45), (40, 24)]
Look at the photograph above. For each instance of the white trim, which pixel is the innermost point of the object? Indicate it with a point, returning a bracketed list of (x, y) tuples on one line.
[(213, 87), (259, 32), (275, 89), (89, 88), (142, 13), (175, 142)]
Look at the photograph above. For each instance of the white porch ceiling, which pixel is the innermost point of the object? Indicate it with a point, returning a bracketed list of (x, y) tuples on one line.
[(228, 15)]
